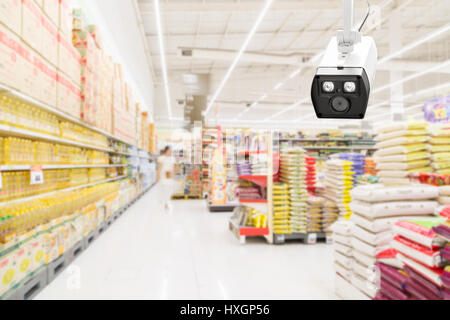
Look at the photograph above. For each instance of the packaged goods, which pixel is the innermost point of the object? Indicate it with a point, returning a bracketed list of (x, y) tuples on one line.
[(421, 231), (32, 30), (417, 252), (390, 209), (378, 193), (10, 15)]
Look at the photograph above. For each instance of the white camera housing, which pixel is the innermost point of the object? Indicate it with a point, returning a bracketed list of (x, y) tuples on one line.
[(343, 80), (358, 67)]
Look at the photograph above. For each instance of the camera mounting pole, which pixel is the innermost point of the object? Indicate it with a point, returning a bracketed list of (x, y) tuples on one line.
[(349, 36)]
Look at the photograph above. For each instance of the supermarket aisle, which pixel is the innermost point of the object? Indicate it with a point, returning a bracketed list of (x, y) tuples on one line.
[(190, 254)]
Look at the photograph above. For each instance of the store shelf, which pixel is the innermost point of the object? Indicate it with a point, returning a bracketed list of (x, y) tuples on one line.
[(17, 132), (247, 231), (63, 190), (323, 140), (259, 180), (35, 282), (247, 153), (60, 114), (53, 167), (340, 148), (252, 201)]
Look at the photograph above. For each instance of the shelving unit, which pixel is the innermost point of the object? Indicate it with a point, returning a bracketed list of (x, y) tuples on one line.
[(63, 166), (41, 195), (263, 205), (36, 281)]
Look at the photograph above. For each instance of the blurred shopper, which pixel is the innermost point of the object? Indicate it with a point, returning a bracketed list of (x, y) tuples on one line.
[(166, 168)]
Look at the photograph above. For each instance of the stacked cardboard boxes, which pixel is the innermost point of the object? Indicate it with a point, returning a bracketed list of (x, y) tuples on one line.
[(145, 132), (36, 56), (51, 54)]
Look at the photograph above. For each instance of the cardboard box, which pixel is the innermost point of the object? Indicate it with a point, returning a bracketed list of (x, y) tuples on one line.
[(76, 226), (30, 74), (10, 59), (32, 29), (11, 15), (47, 88), (50, 246), (51, 10), (8, 272), (49, 45), (65, 18), (64, 240), (23, 262), (69, 59), (37, 252), (68, 96)]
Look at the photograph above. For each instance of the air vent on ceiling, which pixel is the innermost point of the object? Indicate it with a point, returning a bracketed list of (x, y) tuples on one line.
[(186, 52)]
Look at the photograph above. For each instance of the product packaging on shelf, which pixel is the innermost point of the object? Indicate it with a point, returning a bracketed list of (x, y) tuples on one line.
[(51, 10), (8, 272), (68, 96), (65, 18), (11, 59), (49, 47), (69, 59), (32, 29), (11, 15)]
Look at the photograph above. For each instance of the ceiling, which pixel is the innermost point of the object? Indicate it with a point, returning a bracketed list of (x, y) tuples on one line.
[(291, 33)]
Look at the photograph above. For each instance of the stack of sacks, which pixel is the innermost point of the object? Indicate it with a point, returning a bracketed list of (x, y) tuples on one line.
[(358, 161), (330, 214), (418, 248), (342, 246), (444, 195), (402, 149), (315, 218), (375, 210), (281, 223), (370, 167), (292, 169), (310, 165), (243, 168), (443, 231), (248, 193), (391, 278), (439, 146), (259, 169), (338, 183)]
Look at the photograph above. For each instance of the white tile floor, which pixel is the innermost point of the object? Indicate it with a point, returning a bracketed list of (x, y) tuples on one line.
[(190, 254)]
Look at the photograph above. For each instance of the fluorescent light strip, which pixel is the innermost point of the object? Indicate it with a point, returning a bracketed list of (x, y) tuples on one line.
[(414, 44), (163, 56), (418, 93), (239, 55), (288, 109), (413, 76), (389, 114)]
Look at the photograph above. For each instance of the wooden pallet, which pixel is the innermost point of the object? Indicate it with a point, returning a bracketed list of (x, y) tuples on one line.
[(186, 197), (309, 238)]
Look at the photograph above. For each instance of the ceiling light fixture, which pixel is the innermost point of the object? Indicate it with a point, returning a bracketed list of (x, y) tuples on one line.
[(163, 56), (239, 55)]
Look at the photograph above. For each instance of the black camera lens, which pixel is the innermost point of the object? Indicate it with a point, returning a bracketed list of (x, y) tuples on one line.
[(340, 104)]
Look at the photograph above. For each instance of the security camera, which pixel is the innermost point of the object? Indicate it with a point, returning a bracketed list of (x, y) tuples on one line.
[(343, 80)]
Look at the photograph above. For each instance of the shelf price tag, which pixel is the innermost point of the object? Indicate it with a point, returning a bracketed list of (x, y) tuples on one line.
[(36, 175)]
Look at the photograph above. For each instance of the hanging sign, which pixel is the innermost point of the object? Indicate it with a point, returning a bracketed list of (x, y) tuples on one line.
[(36, 175)]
